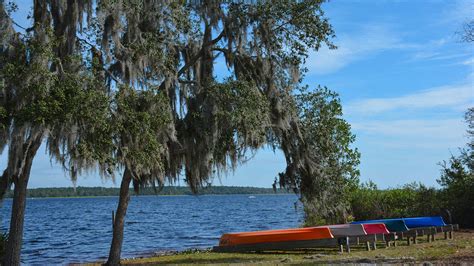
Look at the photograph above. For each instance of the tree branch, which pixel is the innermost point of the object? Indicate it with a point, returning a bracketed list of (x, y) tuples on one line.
[(187, 81), (103, 68), (199, 54), (223, 50)]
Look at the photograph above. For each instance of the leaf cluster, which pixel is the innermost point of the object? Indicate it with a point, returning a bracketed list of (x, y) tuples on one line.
[(327, 141)]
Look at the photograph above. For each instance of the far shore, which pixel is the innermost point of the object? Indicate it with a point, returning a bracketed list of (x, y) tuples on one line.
[(101, 192), (158, 195)]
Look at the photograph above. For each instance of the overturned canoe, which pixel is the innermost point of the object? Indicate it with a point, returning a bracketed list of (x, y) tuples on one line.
[(341, 230), (376, 229), (415, 222), (393, 225), (269, 236)]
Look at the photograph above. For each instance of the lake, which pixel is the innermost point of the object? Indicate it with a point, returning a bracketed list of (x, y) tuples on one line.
[(68, 230)]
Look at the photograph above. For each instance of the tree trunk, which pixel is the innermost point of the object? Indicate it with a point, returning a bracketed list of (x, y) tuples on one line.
[(15, 234), (117, 237)]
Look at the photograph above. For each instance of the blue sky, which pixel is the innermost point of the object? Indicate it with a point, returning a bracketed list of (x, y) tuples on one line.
[(405, 81)]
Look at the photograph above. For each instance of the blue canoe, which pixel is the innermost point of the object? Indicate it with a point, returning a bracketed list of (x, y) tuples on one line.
[(413, 222), (424, 221)]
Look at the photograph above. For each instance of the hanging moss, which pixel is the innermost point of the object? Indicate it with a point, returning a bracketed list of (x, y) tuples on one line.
[(149, 67)]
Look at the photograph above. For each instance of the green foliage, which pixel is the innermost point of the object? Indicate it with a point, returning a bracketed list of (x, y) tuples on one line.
[(141, 123), (457, 179), (44, 95), (467, 154), (241, 114), (3, 117), (30, 81), (369, 202), (299, 25), (81, 134), (328, 141), (243, 106), (458, 191), (328, 133)]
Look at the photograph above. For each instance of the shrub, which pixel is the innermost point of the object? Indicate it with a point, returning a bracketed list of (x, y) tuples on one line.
[(369, 202), (457, 180)]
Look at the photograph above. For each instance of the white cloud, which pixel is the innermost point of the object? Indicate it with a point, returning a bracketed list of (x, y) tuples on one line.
[(409, 133), (469, 61), (439, 49), (425, 55), (437, 56), (439, 42), (409, 127), (447, 97), (368, 41), (428, 128), (458, 12)]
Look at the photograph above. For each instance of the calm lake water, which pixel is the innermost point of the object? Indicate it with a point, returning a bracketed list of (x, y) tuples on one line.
[(60, 231)]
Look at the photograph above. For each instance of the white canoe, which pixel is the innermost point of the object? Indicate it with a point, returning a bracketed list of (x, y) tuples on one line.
[(341, 230)]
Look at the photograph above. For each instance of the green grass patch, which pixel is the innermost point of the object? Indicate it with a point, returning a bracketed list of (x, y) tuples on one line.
[(458, 249)]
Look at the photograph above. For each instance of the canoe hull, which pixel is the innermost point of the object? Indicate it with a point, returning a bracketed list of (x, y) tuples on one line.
[(416, 222), (375, 229), (342, 230), (269, 236)]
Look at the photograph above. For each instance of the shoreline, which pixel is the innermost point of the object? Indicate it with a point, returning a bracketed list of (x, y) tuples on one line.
[(94, 192)]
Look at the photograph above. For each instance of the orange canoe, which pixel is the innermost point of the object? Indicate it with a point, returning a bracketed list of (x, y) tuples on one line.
[(281, 235)]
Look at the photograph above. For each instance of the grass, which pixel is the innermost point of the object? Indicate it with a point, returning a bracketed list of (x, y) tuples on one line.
[(460, 249)]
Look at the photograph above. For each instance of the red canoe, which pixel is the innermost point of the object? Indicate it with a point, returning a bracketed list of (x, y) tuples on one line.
[(373, 229)]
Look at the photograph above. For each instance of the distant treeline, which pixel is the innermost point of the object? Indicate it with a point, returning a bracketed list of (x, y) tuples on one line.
[(167, 190)]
